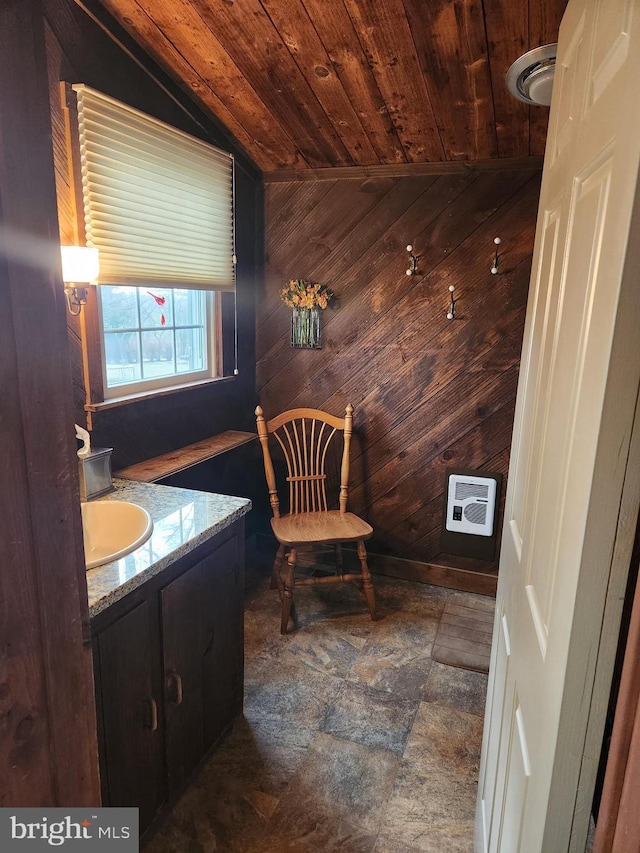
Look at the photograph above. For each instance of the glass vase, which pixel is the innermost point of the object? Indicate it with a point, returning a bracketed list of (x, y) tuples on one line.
[(305, 328)]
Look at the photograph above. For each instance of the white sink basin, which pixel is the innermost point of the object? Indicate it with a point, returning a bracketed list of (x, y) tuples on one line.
[(113, 529)]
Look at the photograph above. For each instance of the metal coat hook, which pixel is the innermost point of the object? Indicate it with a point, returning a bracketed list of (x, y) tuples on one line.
[(413, 261), (451, 311), (496, 260)]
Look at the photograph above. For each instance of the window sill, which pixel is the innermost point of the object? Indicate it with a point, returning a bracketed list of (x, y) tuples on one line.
[(115, 402)]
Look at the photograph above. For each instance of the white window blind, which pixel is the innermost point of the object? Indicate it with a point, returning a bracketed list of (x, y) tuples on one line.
[(158, 203)]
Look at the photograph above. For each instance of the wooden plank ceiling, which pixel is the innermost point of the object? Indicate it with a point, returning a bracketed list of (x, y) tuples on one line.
[(312, 84)]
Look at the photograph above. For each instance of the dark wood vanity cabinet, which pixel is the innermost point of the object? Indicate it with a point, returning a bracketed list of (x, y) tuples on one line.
[(202, 616), (169, 674), (129, 686)]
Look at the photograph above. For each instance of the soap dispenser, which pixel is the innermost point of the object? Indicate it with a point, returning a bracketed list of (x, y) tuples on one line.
[(94, 464)]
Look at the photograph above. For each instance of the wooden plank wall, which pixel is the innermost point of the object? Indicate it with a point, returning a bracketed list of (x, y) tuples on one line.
[(429, 393), (48, 745), (79, 50)]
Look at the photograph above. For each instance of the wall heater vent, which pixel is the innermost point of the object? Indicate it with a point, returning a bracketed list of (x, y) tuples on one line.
[(471, 504)]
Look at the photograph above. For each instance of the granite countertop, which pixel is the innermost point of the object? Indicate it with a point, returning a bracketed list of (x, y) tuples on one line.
[(182, 520)]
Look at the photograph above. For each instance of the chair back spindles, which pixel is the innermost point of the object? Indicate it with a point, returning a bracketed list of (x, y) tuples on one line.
[(304, 443), (305, 437)]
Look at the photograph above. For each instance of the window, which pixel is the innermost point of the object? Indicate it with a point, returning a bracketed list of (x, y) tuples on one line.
[(158, 204), (155, 338)]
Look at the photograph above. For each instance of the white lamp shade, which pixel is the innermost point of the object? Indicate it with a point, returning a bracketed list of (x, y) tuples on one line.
[(80, 264)]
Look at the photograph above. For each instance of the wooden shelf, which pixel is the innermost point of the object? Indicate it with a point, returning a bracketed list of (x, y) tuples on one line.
[(159, 467)]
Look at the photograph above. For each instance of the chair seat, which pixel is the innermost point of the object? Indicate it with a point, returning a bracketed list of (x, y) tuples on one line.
[(320, 528)]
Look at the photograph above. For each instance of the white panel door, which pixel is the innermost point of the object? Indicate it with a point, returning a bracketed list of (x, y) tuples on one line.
[(574, 416)]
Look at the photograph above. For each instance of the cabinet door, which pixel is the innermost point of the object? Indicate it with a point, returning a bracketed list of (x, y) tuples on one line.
[(223, 635), (182, 656), (202, 631), (131, 724)]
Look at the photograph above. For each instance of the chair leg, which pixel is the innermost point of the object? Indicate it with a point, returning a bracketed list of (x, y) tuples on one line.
[(339, 560), (287, 596), (367, 586), (276, 577)]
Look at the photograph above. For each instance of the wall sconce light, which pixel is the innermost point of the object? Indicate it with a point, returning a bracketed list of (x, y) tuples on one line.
[(451, 311), (413, 261), (80, 266), (496, 260)]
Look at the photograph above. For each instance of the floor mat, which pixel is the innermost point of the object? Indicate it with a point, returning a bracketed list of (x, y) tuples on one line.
[(463, 638)]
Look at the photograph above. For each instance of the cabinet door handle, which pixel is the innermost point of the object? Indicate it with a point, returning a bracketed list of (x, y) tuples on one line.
[(153, 716), (174, 678)]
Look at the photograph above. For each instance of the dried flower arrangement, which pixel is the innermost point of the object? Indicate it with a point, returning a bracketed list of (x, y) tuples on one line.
[(299, 293)]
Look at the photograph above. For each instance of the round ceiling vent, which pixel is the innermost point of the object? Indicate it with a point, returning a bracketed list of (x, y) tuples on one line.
[(530, 78)]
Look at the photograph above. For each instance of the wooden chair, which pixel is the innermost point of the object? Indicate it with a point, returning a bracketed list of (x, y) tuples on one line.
[(305, 437)]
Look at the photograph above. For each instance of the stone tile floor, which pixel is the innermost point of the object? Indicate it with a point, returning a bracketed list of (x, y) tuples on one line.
[(352, 738)]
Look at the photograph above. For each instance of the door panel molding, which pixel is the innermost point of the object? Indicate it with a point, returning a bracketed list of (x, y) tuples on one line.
[(539, 623), (497, 701), (533, 383), (518, 775), (567, 81), (559, 473), (611, 60)]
